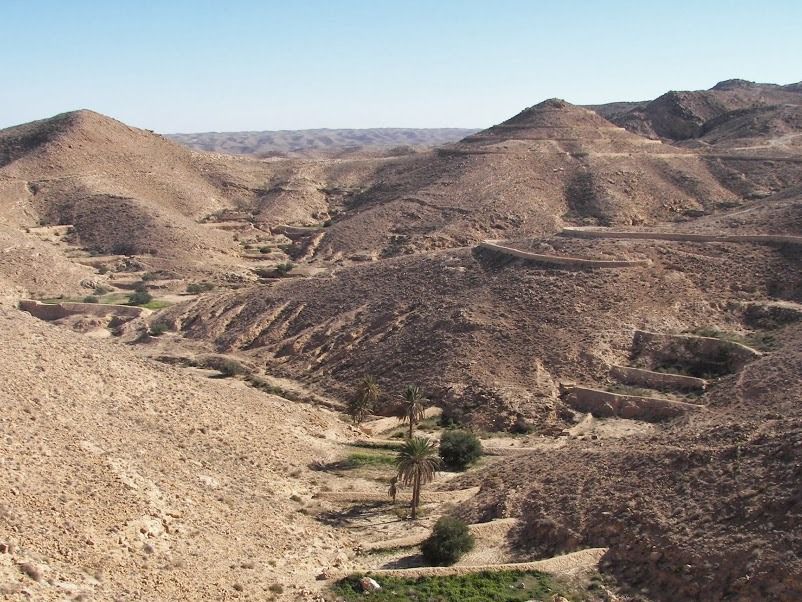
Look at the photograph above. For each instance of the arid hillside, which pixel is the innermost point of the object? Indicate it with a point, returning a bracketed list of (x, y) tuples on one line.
[(748, 134), (125, 191), (475, 325), (706, 510), (612, 299), (115, 466), (328, 143), (553, 164)]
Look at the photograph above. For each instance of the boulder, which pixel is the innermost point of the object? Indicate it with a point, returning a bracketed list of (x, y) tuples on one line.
[(369, 585)]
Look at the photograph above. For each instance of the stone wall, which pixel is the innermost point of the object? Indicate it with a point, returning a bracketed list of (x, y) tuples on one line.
[(556, 260), (56, 311), (604, 404), (682, 237), (691, 354), (657, 380)]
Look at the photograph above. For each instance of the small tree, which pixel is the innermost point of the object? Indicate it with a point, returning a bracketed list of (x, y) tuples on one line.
[(140, 298), (450, 539), (195, 288), (413, 407), (285, 268), (229, 367), (361, 404), (459, 449), (158, 329), (418, 464)]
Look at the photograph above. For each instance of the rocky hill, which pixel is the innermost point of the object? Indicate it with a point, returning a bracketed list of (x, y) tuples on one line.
[(704, 510), (125, 191), (552, 165), (684, 115)]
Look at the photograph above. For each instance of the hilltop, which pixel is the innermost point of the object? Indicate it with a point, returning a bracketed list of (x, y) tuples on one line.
[(554, 164), (125, 191), (683, 115)]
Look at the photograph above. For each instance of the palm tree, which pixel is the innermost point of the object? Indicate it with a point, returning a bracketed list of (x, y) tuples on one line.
[(417, 463), (367, 394), (413, 408)]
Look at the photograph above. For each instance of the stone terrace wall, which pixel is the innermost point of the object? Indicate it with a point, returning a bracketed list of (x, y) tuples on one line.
[(657, 380), (688, 350), (556, 260), (676, 236), (56, 311), (604, 404)]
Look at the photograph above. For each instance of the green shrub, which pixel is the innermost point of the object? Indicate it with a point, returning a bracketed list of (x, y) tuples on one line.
[(140, 298), (459, 449), (158, 329), (199, 287), (521, 426), (230, 367), (450, 539), (265, 249), (285, 268), (101, 289), (91, 299)]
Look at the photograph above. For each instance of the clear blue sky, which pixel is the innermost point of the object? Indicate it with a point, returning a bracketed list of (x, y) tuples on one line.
[(184, 66)]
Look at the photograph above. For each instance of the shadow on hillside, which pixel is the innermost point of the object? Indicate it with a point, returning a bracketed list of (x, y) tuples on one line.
[(350, 517)]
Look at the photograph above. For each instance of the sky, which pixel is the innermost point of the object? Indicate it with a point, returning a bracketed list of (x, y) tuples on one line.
[(195, 66)]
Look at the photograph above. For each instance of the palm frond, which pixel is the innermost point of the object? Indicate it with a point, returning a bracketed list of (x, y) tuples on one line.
[(417, 459)]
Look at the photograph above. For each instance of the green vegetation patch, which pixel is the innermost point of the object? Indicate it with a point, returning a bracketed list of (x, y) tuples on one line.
[(502, 586), (156, 304), (364, 458), (622, 389), (391, 445)]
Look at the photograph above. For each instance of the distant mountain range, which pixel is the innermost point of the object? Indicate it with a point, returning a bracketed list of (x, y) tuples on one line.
[(321, 142)]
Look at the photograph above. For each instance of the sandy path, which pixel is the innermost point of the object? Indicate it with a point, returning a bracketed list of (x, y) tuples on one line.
[(383, 425), (492, 532), (427, 497)]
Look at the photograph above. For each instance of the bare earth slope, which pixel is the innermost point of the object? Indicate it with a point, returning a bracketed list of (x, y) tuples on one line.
[(489, 336), (126, 480)]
